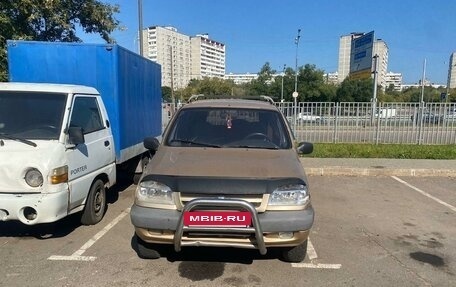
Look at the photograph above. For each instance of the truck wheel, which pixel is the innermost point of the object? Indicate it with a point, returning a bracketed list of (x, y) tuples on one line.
[(295, 254), (145, 250), (95, 204)]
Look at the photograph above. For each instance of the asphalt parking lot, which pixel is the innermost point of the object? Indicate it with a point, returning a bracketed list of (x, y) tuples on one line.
[(369, 231)]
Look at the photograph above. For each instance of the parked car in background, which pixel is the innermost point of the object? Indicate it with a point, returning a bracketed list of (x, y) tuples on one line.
[(308, 117), (428, 117)]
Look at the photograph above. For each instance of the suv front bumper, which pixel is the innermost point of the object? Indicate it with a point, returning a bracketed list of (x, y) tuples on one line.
[(166, 227)]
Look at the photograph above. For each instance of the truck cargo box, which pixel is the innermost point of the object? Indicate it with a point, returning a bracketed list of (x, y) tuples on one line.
[(130, 85)]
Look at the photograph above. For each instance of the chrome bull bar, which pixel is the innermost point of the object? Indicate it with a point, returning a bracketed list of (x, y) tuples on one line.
[(209, 202)]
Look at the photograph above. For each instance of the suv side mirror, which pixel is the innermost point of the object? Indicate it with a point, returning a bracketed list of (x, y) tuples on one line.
[(151, 143), (75, 136), (305, 148)]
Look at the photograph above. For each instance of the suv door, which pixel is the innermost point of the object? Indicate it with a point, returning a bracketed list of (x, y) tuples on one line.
[(97, 151)]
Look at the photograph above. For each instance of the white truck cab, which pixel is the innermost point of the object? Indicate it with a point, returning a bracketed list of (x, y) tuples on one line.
[(57, 153)]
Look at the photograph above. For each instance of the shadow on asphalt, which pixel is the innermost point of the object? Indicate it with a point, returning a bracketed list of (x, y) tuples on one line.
[(211, 254), (62, 227)]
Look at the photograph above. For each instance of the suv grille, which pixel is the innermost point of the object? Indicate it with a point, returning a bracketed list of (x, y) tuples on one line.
[(259, 201)]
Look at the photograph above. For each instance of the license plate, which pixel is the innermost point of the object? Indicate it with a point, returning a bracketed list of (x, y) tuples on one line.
[(217, 219)]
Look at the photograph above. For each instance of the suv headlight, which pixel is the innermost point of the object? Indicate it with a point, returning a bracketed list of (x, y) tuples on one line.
[(154, 193), (290, 195)]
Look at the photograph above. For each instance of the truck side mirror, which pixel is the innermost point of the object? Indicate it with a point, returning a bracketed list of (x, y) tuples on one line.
[(75, 135), (151, 143), (305, 148)]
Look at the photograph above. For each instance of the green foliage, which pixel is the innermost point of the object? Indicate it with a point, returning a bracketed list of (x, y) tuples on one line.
[(355, 91), (312, 87), (53, 20), (208, 87), (166, 94), (401, 151)]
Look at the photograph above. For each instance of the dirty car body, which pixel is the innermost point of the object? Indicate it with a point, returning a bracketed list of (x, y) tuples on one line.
[(227, 174)]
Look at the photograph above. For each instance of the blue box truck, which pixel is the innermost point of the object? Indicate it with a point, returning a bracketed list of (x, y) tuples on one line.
[(71, 115)]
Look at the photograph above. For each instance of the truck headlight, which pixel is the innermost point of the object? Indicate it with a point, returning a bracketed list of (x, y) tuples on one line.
[(152, 192), (33, 177), (294, 194)]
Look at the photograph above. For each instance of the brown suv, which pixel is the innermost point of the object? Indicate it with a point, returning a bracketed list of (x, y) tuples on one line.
[(227, 174)]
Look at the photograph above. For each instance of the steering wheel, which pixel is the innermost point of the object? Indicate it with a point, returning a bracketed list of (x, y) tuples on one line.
[(257, 135)]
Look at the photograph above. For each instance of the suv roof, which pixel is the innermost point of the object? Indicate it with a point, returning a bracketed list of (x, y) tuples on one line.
[(232, 103)]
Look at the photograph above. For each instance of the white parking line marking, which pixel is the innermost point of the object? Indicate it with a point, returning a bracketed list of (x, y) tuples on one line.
[(311, 251), (316, 266), (72, 258), (77, 256), (312, 254), (426, 194)]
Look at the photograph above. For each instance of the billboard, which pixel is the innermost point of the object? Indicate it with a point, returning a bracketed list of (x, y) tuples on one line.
[(361, 55)]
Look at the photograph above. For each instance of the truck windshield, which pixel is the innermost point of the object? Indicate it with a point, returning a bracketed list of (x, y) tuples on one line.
[(31, 115)]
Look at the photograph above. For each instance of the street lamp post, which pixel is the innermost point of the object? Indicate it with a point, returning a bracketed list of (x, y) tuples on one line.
[(296, 63), (421, 112), (140, 26), (295, 94), (283, 74)]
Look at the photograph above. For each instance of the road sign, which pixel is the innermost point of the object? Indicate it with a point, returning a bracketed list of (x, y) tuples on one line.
[(361, 55), (295, 94)]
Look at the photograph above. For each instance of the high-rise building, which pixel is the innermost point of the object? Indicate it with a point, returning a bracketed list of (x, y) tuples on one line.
[(208, 57), (344, 55), (183, 57), (381, 50), (452, 72), (171, 50)]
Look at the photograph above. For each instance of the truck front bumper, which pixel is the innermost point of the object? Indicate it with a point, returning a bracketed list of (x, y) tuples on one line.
[(34, 208), (269, 229)]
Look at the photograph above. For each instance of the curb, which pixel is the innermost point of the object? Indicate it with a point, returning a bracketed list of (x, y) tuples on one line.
[(349, 171)]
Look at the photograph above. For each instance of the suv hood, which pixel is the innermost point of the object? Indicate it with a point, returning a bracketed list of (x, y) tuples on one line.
[(226, 162)]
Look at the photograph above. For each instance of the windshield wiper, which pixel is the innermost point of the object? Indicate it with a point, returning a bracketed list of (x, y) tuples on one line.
[(194, 143), (251, 146), (14, 138)]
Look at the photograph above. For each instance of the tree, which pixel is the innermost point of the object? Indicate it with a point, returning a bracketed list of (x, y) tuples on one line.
[(53, 20), (207, 87), (261, 85), (312, 86), (352, 90), (166, 94)]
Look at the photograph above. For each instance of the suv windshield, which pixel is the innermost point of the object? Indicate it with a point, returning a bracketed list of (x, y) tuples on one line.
[(229, 128), (31, 115)]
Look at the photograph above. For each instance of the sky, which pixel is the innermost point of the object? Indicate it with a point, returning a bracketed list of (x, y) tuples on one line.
[(260, 31)]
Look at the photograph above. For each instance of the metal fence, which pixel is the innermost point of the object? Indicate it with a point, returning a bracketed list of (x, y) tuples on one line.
[(361, 122)]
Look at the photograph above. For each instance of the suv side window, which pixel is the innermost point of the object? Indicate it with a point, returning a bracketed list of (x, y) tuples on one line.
[(86, 114)]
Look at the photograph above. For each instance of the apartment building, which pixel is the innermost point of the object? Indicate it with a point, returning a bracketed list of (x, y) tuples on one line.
[(379, 48), (240, 79), (394, 80), (171, 49), (183, 57), (345, 54), (208, 57)]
